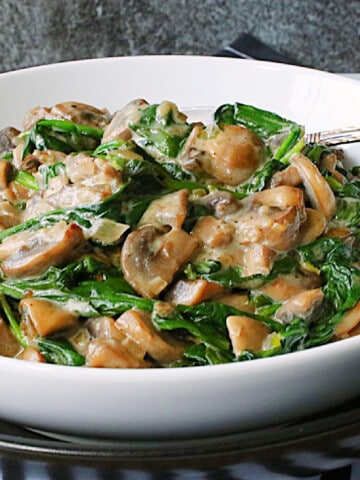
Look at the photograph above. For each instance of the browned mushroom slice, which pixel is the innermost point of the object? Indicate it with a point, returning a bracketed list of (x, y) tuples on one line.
[(340, 232), (76, 112), (160, 346), (8, 139), (286, 286), (304, 305), (82, 114), (349, 322), (246, 333), (289, 176), (236, 300), (150, 258), (28, 255), (355, 331), (34, 115), (118, 127), (271, 218), (276, 228), (90, 171), (169, 210), (330, 162), (9, 346), (230, 154), (283, 197), (31, 354), (47, 317), (318, 190), (213, 232), (86, 180), (42, 157), (223, 203), (9, 215), (5, 173), (192, 292), (258, 259), (312, 227), (107, 328), (110, 353)]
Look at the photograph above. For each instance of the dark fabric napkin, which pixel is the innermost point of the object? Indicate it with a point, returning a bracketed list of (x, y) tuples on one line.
[(247, 46)]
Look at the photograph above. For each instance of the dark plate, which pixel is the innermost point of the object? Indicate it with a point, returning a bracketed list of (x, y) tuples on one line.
[(303, 449)]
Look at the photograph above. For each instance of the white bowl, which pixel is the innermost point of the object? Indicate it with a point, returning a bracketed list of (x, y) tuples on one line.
[(196, 401)]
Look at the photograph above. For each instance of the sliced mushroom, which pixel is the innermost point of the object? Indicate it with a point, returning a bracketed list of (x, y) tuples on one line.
[(312, 227), (9, 346), (289, 176), (76, 195), (169, 210), (17, 154), (246, 333), (329, 162), (258, 259), (304, 305), (82, 114), (76, 112), (349, 321), (192, 292), (46, 316), (11, 245), (118, 127), (86, 180), (30, 255), (36, 206), (34, 115), (274, 228), (230, 154), (80, 339), (286, 286), (213, 232), (223, 203), (137, 325), (236, 300), (110, 353), (340, 232), (355, 331), (9, 215), (8, 140), (283, 197), (318, 190), (150, 258), (17, 193), (5, 173), (105, 327), (42, 157), (31, 354), (90, 171), (271, 218)]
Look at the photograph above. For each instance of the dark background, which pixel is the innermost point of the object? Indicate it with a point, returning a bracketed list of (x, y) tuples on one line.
[(323, 34)]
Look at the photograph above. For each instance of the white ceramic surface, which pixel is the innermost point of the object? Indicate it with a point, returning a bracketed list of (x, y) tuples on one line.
[(193, 401)]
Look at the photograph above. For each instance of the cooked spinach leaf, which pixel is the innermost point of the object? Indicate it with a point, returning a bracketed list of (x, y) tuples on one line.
[(61, 135), (231, 277), (163, 131)]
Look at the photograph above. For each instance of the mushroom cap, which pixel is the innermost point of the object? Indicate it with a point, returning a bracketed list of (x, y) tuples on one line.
[(231, 154), (150, 258)]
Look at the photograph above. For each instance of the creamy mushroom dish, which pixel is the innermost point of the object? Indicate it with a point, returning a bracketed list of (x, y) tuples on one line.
[(140, 240)]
